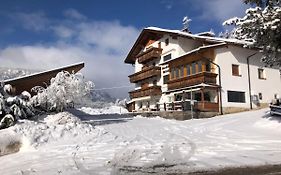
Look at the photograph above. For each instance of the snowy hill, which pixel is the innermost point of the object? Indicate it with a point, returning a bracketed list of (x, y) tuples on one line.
[(9, 73), (118, 144)]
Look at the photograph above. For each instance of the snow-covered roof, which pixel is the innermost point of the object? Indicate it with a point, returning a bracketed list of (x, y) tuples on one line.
[(207, 38), (195, 51), (209, 33), (26, 83), (43, 72), (155, 33)]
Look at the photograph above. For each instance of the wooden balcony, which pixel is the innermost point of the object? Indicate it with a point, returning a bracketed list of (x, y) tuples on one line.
[(149, 91), (202, 77), (145, 73), (149, 55)]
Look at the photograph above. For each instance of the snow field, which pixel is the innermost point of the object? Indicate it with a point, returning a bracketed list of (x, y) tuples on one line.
[(63, 144)]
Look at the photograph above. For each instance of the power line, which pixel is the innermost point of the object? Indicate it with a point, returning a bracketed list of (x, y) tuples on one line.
[(118, 87)]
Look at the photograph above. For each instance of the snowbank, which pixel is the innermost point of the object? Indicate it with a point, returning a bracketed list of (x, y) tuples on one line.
[(112, 109)]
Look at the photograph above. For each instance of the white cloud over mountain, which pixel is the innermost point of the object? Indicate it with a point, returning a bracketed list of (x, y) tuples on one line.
[(102, 45)]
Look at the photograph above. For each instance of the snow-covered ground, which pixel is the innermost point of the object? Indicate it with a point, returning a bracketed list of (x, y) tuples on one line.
[(118, 144)]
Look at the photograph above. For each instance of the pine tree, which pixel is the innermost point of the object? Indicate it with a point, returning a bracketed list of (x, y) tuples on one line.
[(261, 26)]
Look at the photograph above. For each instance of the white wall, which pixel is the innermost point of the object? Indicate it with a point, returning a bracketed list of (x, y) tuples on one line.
[(227, 56)]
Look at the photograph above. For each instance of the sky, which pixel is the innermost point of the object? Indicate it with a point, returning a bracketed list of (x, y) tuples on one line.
[(45, 34)]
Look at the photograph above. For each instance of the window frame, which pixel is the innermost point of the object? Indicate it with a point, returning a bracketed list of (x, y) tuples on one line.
[(233, 96), (238, 74), (168, 55), (262, 75)]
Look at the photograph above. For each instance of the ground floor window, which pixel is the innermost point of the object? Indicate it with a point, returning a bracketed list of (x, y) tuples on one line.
[(236, 96)]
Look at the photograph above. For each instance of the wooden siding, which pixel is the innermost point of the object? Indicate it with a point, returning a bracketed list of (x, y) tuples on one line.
[(39, 79), (149, 55), (202, 77), (147, 72), (207, 106), (149, 91)]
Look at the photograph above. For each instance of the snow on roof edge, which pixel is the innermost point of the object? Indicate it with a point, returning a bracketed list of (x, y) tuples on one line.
[(236, 41), (38, 73)]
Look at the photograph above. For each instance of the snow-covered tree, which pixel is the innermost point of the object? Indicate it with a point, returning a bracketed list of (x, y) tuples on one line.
[(65, 90), (262, 27)]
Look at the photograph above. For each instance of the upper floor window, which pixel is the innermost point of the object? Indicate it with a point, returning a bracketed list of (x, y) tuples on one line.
[(181, 71), (235, 70), (199, 66), (167, 41), (208, 67), (177, 72), (261, 73), (188, 71), (193, 68), (166, 79), (167, 57)]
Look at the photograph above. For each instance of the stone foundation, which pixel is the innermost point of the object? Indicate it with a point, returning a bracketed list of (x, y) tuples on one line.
[(177, 115)]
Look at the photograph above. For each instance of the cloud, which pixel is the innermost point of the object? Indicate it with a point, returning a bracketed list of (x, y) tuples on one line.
[(36, 21), (168, 4), (102, 45), (63, 31), (221, 10), (74, 14)]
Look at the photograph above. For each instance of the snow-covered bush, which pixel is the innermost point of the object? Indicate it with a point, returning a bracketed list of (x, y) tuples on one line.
[(65, 90), (13, 108)]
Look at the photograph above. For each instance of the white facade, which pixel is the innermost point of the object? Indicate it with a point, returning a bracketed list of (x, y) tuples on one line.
[(267, 88), (262, 90)]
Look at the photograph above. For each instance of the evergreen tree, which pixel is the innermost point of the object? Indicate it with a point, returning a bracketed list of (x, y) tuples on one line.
[(262, 27)]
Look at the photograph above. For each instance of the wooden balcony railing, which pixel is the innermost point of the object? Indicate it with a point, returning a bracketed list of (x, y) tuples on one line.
[(148, 55), (149, 91), (208, 106), (145, 73), (202, 77)]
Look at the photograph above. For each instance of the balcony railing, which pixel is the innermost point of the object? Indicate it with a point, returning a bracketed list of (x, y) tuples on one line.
[(149, 91), (145, 73), (148, 55), (202, 77)]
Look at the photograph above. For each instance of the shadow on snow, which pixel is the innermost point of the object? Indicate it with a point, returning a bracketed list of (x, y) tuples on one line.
[(100, 119)]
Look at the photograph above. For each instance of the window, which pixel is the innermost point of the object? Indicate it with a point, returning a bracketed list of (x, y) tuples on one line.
[(167, 57), (236, 96), (181, 71), (261, 73), (235, 70), (199, 66), (172, 73), (167, 41), (197, 96), (177, 72), (208, 67), (193, 67), (166, 79), (188, 70), (260, 96)]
